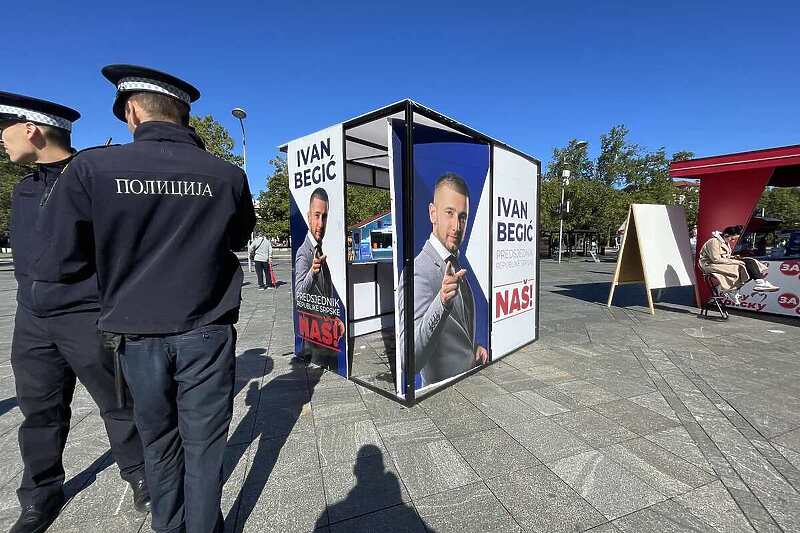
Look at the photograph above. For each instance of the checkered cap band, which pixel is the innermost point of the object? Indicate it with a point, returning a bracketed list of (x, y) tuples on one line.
[(37, 116), (146, 84)]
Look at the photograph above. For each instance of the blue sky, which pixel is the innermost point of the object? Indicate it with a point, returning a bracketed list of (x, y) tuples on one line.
[(710, 77)]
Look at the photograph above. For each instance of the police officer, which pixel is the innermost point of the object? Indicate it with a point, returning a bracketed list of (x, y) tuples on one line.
[(160, 217), (55, 328)]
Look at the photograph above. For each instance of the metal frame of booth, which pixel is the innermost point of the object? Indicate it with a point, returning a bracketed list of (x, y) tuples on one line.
[(408, 109)]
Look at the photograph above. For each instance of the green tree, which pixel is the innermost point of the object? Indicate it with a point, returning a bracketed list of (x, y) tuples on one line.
[(272, 206), (10, 174), (601, 192), (617, 162), (782, 203), (364, 202), (216, 137), (572, 157)]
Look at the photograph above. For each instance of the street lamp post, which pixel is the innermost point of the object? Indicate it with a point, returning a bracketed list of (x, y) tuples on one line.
[(240, 113), (564, 183)]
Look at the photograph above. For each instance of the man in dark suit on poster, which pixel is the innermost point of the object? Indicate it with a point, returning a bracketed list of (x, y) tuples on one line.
[(313, 277), (444, 305)]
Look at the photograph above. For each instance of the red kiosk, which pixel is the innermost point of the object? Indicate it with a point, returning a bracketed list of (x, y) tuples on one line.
[(730, 188)]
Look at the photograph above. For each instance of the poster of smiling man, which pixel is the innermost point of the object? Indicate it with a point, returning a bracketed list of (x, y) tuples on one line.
[(451, 256), (316, 183)]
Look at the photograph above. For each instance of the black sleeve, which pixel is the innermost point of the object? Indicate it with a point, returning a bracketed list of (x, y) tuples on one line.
[(245, 218), (68, 253)]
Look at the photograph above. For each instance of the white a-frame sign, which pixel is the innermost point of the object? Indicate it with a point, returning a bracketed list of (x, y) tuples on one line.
[(655, 250)]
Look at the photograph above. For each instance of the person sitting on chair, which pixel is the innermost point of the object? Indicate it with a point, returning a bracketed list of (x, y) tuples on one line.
[(716, 257)]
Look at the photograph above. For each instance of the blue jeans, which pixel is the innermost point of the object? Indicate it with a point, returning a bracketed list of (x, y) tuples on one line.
[(182, 388)]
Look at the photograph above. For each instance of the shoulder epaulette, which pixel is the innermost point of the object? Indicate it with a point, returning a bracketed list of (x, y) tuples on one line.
[(84, 150), (98, 147)]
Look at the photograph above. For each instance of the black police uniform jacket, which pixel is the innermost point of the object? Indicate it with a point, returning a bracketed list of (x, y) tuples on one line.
[(159, 217), (40, 298)]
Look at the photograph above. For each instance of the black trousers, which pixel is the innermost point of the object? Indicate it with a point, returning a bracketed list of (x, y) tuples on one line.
[(182, 387), (46, 356), (263, 274), (751, 266)]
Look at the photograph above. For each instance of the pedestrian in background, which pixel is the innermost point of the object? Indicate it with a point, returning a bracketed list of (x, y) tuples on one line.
[(260, 250)]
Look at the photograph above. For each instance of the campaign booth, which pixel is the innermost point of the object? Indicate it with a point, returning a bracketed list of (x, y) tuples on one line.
[(730, 188), (444, 283)]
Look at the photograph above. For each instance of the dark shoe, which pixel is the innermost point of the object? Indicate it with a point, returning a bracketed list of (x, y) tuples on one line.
[(37, 518), (141, 496)]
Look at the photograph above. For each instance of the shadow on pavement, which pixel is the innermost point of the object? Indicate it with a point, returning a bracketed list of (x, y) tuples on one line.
[(625, 295), (84, 479), (282, 399), (7, 405), (376, 488)]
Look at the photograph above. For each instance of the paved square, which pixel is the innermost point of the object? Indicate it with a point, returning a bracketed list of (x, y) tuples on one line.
[(613, 421)]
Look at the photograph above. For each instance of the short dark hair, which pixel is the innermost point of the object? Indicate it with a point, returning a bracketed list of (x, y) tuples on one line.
[(730, 231), (452, 180), (320, 194), (58, 136), (163, 107)]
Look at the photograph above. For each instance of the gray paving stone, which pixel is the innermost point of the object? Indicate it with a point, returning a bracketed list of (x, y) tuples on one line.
[(541, 404), (520, 381), (476, 387), (405, 430), (605, 484), (790, 439), (461, 421), (592, 427), (585, 393), (380, 408), (117, 523), (493, 453), (547, 440), (8, 493), (10, 460), (792, 456), (662, 470), (620, 385), (341, 443), (472, 508), (540, 501), (104, 496), (714, 505), (608, 527), (665, 517), (340, 412), (678, 441), (548, 374), (655, 402), (634, 417), (293, 503), (507, 410), (431, 467), (284, 456)]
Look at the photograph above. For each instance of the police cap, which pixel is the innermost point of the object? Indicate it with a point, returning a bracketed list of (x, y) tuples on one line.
[(130, 79), (17, 107)]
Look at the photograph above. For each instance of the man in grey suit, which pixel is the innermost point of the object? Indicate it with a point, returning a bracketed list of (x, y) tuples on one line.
[(444, 306), (312, 275)]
